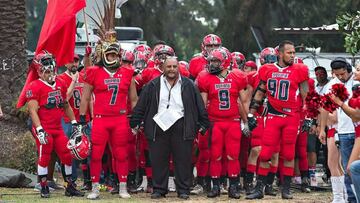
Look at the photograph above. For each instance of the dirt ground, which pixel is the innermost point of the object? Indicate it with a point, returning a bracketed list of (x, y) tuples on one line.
[(29, 195)]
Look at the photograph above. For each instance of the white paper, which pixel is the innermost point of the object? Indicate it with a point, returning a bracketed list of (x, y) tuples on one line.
[(166, 119)]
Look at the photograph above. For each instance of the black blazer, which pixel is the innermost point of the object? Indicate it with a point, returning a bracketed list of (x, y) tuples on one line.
[(195, 115)]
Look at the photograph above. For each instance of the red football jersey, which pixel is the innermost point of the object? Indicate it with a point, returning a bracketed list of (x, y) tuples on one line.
[(147, 75), (51, 101), (282, 85), (110, 89), (223, 93), (196, 65), (74, 100)]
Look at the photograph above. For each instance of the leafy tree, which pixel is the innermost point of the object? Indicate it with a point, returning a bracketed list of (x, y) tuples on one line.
[(349, 24)]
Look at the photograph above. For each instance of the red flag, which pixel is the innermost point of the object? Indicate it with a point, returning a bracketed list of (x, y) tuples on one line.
[(57, 36)]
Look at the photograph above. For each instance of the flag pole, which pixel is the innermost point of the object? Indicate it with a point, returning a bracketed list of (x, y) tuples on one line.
[(86, 30)]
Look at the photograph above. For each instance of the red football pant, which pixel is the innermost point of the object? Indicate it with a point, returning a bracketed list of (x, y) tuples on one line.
[(132, 164), (57, 141), (225, 134), (257, 133), (281, 130), (301, 151), (113, 130), (202, 164)]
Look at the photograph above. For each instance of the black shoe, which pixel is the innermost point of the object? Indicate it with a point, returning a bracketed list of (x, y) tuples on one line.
[(115, 190), (234, 192), (157, 195), (248, 183), (285, 191), (87, 185), (207, 184), (258, 192), (45, 192), (215, 192), (305, 182), (71, 190), (183, 196), (269, 190)]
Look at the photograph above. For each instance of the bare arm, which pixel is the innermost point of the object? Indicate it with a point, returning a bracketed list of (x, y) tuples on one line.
[(133, 94), (85, 98), (204, 96), (33, 107), (70, 90), (243, 96), (68, 111), (355, 153), (304, 89), (258, 97), (323, 121)]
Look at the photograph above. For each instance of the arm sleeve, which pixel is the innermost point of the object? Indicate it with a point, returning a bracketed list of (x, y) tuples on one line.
[(90, 75), (140, 108), (203, 115), (303, 73), (202, 83), (32, 93)]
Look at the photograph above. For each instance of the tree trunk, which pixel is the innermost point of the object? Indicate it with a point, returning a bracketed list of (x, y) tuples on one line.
[(13, 64)]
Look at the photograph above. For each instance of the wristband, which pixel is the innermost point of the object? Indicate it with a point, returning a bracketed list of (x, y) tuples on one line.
[(39, 128)]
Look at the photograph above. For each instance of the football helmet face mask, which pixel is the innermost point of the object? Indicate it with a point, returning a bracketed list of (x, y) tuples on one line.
[(140, 61), (44, 63), (161, 52), (239, 58), (209, 43), (218, 60), (111, 51), (268, 55), (79, 147)]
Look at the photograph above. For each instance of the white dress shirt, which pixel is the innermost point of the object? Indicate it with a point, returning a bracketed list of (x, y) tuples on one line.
[(345, 124), (170, 96)]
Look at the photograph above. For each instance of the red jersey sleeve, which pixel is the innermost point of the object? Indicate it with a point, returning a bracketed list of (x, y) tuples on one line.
[(32, 92), (263, 70), (202, 82), (241, 79), (90, 75), (303, 72)]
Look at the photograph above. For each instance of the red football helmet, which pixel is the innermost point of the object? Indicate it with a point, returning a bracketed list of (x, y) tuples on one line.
[(268, 55), (79, 147), (251, 64), (140, 61), (161, 52), (240, 59), (218, 60), (143, 48), (184, 64), (209, 43), (127, 56), (298, 60), (44, 61)]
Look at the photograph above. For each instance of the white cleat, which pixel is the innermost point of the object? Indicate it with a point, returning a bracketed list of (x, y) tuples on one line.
[(123, 193), (95, 192), (198, 189)]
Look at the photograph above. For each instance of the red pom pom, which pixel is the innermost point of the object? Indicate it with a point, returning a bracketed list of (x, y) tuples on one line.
[(353, 102), (339, 90), (328, 104), (313, 103)]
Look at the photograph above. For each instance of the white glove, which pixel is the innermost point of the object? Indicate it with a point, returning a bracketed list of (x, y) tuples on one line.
[(245, 129), (41, 135)]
